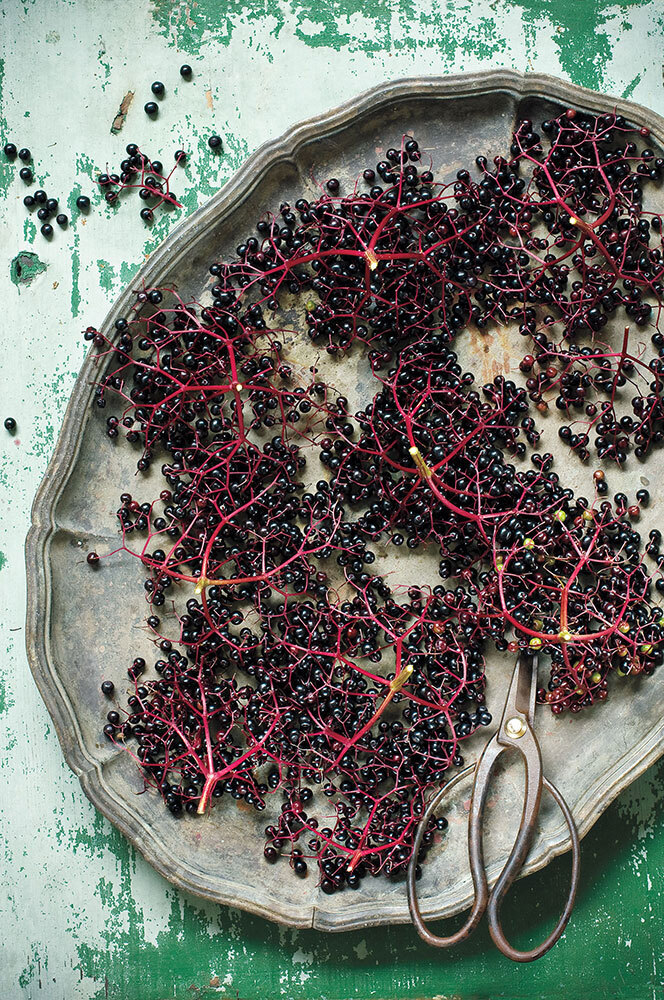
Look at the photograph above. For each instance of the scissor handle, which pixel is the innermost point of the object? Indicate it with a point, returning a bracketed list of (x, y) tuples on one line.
[(511, 871), (483, 770), (479, 877)]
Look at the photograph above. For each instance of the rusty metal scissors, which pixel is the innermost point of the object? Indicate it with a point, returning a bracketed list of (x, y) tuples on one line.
[(514, 733)]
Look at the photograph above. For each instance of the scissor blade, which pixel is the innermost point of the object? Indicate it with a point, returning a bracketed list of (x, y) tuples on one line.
[(523, 688)]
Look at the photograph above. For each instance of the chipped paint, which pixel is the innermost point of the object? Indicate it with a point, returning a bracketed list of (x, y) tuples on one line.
[(583, 33), (75, 275), (7, 169), (629, 90), (29, 230), (191, 943), (25, 267), (107, 275), (105, 64)]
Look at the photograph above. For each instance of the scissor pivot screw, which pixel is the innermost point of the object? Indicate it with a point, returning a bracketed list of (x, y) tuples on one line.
[(515, 727)]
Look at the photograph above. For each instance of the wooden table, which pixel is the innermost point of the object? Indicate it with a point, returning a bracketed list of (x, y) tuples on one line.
[(81, 915)]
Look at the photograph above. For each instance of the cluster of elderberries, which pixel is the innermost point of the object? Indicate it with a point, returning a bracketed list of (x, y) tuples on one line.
[(299, 664)]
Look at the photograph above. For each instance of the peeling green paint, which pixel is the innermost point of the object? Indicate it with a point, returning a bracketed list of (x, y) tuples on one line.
[(187, 26), (55, 390), (127, 271), (7, 169), (29, 230), (335, 24), (42, 439), (629, 90), (75, 275), (104, 63), (6, 701), (205, 951), (85, 167), (25, 267), (580, 32), (107, 275), (36, 967), (213, 169), (373, 30)]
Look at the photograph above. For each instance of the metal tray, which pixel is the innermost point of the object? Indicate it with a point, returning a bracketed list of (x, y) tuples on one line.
[(73, 635)]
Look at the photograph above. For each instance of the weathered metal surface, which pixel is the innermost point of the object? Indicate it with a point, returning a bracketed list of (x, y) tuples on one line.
[(82, 915)]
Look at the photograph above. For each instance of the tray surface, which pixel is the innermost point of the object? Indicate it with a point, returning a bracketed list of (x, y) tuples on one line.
[(72, 634)]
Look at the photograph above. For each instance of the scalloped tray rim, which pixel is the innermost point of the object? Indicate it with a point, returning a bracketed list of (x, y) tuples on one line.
[(89, 771)]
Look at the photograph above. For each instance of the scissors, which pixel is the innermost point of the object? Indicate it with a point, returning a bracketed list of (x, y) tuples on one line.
[(514, 733)]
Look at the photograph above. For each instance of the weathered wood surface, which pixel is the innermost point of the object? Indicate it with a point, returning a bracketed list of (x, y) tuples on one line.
[(82, 914)]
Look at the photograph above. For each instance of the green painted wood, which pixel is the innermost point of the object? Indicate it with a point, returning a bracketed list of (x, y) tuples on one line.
[(81, 915)]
